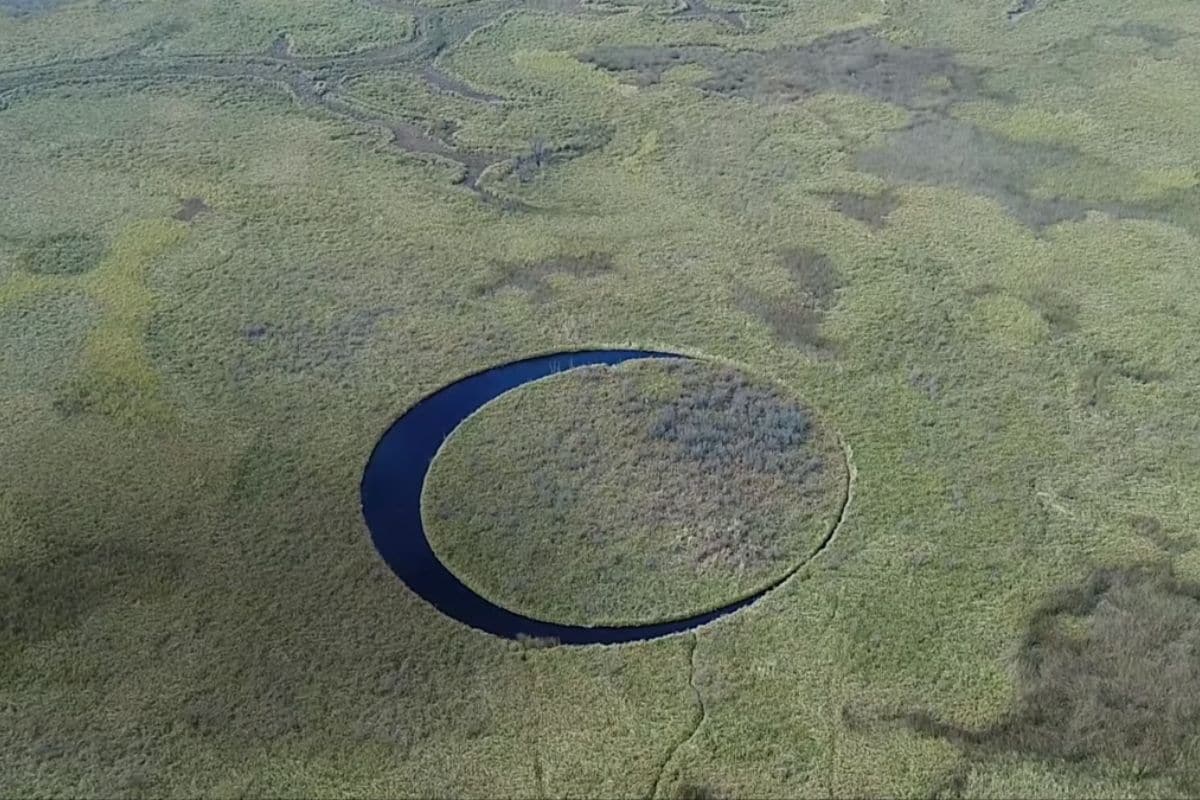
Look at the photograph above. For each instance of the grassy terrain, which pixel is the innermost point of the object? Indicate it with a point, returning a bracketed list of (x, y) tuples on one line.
[(1006, 208), (713, 486)]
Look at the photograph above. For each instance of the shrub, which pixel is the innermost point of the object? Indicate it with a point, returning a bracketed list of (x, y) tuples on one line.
[(695, 791), (1056, 309), (728, 421), (533, 276), (814, 274), (68, 253)]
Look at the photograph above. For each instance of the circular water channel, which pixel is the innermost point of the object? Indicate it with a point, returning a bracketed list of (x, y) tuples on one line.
[(391, 503)]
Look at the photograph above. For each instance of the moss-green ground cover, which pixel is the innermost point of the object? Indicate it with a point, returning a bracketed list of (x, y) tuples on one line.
[(632, 494), (190, 602)]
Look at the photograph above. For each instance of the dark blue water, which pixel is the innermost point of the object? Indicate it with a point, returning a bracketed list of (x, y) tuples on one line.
[(391, 501)]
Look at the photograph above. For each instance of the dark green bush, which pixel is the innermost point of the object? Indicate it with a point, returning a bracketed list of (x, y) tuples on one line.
[(69, 253)]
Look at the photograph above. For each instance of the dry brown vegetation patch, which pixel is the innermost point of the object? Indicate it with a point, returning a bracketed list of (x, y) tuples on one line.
[(947, 152), (533, 277), (940, 150), (40, 598), (191, 208), (870, 209), (724, 422), (743, 442), (852, 61), (796, 316), (1108, 670)]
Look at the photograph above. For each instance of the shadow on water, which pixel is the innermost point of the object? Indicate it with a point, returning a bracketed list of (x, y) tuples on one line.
[(391, 502)]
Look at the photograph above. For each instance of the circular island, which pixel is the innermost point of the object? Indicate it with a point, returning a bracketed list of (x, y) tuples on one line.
[(631, 494)]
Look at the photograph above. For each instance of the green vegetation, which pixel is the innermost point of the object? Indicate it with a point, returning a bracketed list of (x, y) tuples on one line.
[(975, 256), (633, 494)]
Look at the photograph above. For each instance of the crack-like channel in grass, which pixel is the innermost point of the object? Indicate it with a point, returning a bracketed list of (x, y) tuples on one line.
[(405, 136), (851, 482), (539, 774), (831, 763), (700, 716)]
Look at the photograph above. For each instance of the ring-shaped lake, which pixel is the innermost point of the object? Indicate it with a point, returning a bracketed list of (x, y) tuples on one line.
[(395, 478)]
